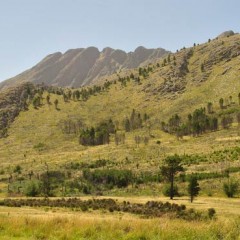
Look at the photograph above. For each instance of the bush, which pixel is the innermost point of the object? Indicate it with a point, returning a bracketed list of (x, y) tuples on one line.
[(211, 212), (86, 189), (109, 177), (32, 189), (230, 188), (166, 190)]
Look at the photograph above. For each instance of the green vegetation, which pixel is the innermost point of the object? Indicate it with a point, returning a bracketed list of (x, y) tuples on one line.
[(193, 187)]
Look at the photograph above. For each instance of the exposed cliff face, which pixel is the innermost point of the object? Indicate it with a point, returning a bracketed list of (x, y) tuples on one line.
[(12, 102), (78, 67)]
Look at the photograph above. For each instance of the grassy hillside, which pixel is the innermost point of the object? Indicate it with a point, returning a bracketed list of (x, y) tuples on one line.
[(181, 83)]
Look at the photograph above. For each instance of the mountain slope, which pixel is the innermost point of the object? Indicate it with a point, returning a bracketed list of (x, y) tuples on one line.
[(45, 137), (78, 67), (190, 79)]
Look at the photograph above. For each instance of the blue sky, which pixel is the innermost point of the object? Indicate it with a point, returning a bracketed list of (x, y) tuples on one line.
[(32, 29)]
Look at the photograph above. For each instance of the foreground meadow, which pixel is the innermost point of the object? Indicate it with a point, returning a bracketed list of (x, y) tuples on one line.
[(62, 223)]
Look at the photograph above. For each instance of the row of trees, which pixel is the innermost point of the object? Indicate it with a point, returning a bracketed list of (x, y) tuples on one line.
[(196, 124)]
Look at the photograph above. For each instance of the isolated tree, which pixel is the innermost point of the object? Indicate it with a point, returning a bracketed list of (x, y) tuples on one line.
[(221, 101), (209, 107), (56, 103), (172, 165), (193, 187), (48, 99), (36, 101), (127, 125), (77, 94), (164, 61)]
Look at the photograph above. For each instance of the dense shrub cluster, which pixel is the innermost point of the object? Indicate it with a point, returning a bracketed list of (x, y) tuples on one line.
[(109, 177), (149, 209), (97, 136), (84, 165)]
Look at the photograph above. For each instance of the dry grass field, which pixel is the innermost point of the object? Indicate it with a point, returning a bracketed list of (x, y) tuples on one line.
[(50, 223)]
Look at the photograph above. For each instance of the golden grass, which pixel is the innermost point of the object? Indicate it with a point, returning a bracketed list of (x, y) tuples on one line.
[(26, 223)]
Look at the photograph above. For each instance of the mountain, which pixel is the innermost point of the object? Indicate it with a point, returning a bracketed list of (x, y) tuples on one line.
[(177, 84), (83, 66)]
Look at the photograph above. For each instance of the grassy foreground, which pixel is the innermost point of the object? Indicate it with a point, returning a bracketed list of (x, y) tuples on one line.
[(85, 226), (49, 223)]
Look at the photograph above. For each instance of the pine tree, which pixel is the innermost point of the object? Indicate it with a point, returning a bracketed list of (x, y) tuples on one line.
[(172, 165), (209, 107), (56, 103), (193, 187), (221, 101)]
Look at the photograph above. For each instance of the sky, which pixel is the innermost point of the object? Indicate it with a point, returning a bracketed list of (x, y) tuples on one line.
[(32, 29)]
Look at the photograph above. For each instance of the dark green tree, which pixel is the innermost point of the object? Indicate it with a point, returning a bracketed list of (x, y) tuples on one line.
[(221, 102), (127, 125), (210, 107), (36, 101), (77, 94), (172, 165), (56, 103), (193, 187)]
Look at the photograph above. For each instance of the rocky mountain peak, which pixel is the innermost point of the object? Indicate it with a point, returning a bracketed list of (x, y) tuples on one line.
[(83, 66)]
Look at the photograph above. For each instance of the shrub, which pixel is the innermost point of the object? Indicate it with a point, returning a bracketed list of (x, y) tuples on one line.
[(32, 189), (167, 188), (211, 212), (230, 188)]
